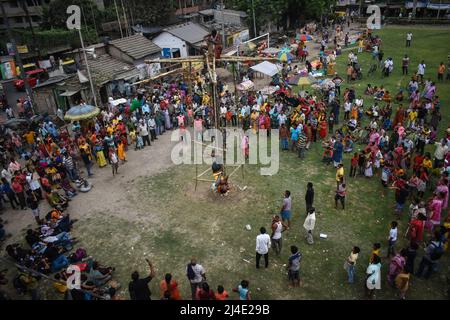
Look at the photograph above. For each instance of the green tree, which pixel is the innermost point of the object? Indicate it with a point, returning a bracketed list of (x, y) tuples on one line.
[(146, 12), (286, 13)]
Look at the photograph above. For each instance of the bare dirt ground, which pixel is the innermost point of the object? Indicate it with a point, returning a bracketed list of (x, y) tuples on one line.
[(108, 192), (111, 198)]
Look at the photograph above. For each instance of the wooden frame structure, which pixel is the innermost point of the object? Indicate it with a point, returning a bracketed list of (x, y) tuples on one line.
[(210, 60)]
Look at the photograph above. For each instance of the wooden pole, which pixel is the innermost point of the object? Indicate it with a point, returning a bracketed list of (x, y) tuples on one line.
[(190, 77), (201, 59), (236, 100), (158, 76), (87, 68), (214, 81), (196, 177)]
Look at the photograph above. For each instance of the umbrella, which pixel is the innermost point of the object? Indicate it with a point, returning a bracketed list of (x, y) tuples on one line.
[(285, 56), (304, 81), (135, 104), (81, 112), (16, 123), (299, 81), (306, 37), (285, 50), (337, 80)]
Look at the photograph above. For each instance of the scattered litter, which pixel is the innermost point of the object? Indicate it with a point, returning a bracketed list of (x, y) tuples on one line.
[(241, 250), (323, 236), (132, 248), (259, 289), (248, 227), (248, 261), (284, 265)]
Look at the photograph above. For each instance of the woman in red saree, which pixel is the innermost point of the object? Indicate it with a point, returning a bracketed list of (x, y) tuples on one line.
[(399, 116), (415, 233), (323, 129)]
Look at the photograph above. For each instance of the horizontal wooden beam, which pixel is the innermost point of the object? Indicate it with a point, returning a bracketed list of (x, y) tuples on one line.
[(234, 171), (202, 59), (204, 180), (158, 76)]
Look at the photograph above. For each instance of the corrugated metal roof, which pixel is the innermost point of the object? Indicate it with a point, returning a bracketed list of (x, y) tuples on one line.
[(53, 80), (190, 32), (105, 68), (136, 46)]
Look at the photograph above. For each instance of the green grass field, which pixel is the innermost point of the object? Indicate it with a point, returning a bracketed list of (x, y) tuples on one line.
[(197, 223), (213, 228)]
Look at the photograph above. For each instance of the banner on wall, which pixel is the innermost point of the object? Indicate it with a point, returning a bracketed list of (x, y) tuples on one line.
[(8, 70), (10, 49), (153, 69)]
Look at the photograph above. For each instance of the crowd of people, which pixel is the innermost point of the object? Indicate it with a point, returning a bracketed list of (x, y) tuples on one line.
[(43, 164)]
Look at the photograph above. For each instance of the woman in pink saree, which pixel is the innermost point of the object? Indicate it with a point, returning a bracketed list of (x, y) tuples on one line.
[(443, 188), (435, 207)]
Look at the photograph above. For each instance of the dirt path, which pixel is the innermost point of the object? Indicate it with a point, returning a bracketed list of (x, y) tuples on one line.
[(109, 194)]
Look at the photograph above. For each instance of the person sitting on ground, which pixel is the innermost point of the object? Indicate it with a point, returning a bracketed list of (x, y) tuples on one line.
[(369, 90), (327, 157), (55, 199), (97, 274), (352, 124), (399, 97), (387, 97), (222, 184)]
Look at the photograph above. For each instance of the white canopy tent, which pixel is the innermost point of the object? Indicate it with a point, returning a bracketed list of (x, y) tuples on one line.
[(267, 68), (115, 103)]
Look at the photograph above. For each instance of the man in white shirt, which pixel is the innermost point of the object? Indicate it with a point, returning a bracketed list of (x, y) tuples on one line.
[(351, 57), (196, 275), (354, 59), (359, 102), (282, 118), (347, 109), (440, 152), (277, 228), (387, 66), (392, 239), (33, 182), (143, 132), (7, 175), (408, 39), (262, 247), (421, 70), (223, 115), (151, 124), (9, 113)]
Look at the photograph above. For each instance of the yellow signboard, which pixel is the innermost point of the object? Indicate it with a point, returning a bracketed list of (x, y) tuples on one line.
[(22, 49)]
